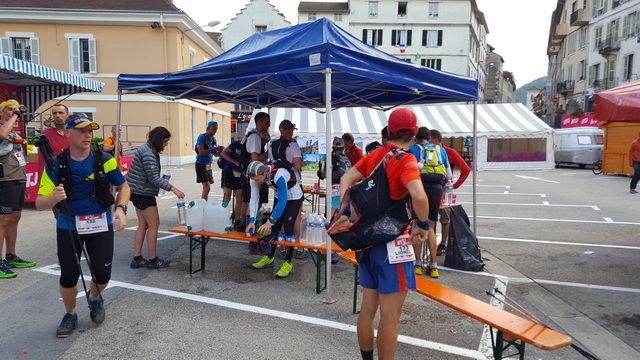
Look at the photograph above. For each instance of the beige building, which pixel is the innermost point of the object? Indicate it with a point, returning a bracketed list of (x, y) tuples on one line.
[(128, 37)]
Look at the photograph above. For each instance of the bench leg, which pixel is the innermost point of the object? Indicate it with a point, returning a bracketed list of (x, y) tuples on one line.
[(319, 261), (195, 242), (499, 346)]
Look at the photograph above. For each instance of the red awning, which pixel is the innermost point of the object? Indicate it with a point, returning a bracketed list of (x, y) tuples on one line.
[(619, 104)]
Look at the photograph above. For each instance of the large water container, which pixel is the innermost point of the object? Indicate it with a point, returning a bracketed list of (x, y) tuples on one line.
[(216, 217), (195, 215)]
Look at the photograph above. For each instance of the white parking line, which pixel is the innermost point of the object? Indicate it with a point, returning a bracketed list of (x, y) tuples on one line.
[(544, 203), (281, 314), (560, 220), (561, 243)]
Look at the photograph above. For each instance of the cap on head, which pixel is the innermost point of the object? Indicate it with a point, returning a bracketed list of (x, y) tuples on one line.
[(403, 121), (338, 142), (80, 121), (287, 124), (256, 168), (211, 123), (8, 103)]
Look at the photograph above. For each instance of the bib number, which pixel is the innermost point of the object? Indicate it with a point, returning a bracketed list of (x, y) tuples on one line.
[(20, 157), (400, 250), (335, 190), (91, 224), (208, 166)]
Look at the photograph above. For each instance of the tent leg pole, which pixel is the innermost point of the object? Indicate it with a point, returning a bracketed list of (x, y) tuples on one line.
[(117, 148), (327, 198), (474, 161)]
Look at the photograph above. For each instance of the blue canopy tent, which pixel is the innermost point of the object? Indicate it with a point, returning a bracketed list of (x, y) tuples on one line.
[(314, 65)]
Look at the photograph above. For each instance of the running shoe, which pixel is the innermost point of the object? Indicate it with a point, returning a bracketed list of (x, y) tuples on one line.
[(301, 253), (418, 269), (285, 270), (157, 263), (4, 265), (633, 191), (282, 254), (96, 309), (334, 258), (68, 324), (265, 262), (442, 249), (16, 261), (433, 272), (139, 263), (5, 273)]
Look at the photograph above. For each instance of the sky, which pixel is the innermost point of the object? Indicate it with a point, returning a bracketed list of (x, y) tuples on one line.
[(518, 29)]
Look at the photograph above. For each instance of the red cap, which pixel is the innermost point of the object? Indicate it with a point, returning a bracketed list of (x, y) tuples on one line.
[(403, 121)]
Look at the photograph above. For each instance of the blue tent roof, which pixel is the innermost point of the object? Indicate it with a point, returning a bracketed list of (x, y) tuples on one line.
[(285, 68), (39, 84)]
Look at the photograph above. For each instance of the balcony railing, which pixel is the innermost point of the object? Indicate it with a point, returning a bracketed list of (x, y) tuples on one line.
[(604, 83), (609, 45), (564, 87), (579, 17)]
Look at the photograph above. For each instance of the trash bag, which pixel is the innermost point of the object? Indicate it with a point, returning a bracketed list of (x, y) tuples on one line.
[(463, 252)]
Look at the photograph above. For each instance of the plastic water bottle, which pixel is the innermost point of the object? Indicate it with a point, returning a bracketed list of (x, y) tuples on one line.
[(182, 212), (448, 193), (322, 230), (166, 175)]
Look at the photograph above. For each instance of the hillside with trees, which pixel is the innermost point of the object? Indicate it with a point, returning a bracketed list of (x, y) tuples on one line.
[(521, 93)]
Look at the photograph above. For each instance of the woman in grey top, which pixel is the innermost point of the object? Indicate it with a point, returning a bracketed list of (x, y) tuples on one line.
[(145, 182)]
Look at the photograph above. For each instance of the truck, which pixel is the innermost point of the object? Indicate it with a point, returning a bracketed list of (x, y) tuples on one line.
[(579, 145)]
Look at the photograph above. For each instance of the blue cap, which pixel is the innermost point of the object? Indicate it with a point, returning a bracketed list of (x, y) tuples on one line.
[(211, 123), (80, 121)]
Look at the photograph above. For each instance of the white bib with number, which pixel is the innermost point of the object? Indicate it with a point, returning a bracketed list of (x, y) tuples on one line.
[(208, 166), (20, 156), (400, 250), (335, 190), (91, 224)]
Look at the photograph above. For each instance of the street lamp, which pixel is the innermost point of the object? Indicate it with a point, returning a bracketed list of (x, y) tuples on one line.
[(210, 24)]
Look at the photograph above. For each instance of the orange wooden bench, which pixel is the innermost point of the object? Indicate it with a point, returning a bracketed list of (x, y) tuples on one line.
[(512, 330), (200, 239)]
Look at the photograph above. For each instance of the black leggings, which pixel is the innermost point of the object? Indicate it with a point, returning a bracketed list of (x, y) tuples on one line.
[(288, 221), (99, 249)]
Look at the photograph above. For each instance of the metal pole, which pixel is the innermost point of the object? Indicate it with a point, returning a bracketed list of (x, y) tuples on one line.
[(474, 161), (117, 144), (327, 208)]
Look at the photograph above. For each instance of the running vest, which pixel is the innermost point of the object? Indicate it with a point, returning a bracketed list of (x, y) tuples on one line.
[(100, 181)]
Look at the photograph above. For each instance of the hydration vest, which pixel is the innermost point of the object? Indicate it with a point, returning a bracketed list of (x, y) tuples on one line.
[(100, 181)]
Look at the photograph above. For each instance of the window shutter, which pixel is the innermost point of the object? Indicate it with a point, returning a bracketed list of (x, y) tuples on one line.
[(92, 56), (74, 55), (35, 50), (409, 37), (393, 37), (5, 46), (364, 36), (438, 64), (439, 37), (423, 62), (379, 37), (604, 9), (424, 38)]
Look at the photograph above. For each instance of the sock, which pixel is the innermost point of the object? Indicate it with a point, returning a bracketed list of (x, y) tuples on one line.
[(72, 312), (9, 256), (225, 204), (154, 259), (137, 258), (433, 265), (367, 355)]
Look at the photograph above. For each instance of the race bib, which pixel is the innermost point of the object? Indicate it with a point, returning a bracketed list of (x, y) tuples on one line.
[(91, 224), (20, 156), (400, 250), (335, 190), (208, 166), (236, 173)]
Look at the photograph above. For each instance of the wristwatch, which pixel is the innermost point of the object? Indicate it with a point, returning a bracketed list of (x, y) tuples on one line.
[(123, 207)]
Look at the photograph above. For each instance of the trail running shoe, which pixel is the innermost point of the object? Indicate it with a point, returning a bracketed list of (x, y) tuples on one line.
[(442, 249), (433, 272), (633, 191), (96, 310), (157, 263), (68, 324), (301, 253), (418, 269), (139, 263), (334, 258), (265, 262), (5, 273), (4, 265), (285, 270), (16, 261)]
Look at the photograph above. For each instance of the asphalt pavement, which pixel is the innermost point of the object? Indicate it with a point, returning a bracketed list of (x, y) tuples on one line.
[(562, 243)]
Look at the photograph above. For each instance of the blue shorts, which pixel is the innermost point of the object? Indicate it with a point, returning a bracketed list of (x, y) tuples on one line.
[(376, 273)]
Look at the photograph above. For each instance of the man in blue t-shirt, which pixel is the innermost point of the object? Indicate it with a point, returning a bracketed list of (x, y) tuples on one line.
[(206, 147)]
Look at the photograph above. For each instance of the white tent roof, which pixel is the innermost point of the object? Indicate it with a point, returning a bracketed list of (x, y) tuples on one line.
[(494, 120)]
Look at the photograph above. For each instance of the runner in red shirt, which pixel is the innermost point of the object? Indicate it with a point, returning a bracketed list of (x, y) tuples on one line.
[(385, 285)]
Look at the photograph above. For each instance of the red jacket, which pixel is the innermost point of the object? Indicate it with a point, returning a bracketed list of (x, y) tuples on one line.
[(354, 154), (457, 160)]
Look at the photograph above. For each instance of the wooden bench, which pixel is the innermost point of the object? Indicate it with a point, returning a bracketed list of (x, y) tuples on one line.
[(512, 330), (200, 239)]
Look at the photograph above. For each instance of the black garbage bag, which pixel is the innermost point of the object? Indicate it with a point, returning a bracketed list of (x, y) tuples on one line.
[(463, 252)]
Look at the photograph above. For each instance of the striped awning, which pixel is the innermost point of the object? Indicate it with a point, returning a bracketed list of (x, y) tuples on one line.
[(39, 84), (494, 120)]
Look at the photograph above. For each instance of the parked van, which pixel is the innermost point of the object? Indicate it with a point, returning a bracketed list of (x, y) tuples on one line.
[(579, 145)]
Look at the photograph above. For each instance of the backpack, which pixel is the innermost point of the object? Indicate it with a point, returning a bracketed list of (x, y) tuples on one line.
[(279, 153), (221, 162), (433, 169), (206, 143), (293, 180), (380, 218), (100, 182), (341, 165), (245, 156)]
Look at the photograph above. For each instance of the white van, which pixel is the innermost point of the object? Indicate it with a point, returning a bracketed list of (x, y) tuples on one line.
[(579, 145)]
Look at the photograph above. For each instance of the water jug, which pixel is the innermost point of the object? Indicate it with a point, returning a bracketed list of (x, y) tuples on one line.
[(195, 215), (216, 217)]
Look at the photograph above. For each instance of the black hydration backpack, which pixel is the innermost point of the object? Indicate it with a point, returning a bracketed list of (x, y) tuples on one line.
[(245, 156), (279, 153), (100, 181)]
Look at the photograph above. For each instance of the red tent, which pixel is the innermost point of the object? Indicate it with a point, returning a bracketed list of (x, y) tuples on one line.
[(619, 104)]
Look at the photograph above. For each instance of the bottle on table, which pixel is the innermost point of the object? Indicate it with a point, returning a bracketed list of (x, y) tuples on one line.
[(182, 212), (448, 193), (166, 176)]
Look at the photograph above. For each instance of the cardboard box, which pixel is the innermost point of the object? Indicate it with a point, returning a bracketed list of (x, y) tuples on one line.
[(32, 158)]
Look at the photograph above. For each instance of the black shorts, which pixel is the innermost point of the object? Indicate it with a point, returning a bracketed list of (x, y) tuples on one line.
[(230, 181), (12, 196), (434, 193), (202, 174), (143, 201), (287, 221), (99, 248), (246, 191)]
